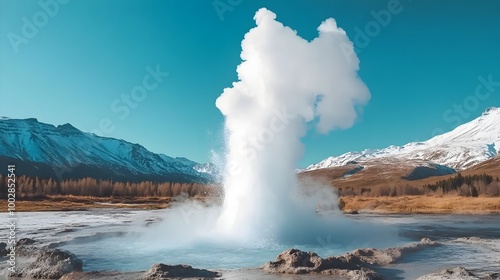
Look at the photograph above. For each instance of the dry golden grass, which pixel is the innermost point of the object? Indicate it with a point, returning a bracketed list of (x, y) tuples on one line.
[(422, 205), (74, 203)]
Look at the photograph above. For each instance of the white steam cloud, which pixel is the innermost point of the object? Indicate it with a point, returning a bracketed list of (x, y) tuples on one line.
[(285, 83)]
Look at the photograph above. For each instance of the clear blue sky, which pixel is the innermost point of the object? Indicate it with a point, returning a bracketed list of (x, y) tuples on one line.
[(86, 54)]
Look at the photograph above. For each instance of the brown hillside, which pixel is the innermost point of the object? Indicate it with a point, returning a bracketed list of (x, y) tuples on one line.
[(383, 173)]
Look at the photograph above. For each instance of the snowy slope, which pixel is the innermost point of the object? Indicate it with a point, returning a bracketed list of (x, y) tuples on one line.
[(66, 146), (463, 147)]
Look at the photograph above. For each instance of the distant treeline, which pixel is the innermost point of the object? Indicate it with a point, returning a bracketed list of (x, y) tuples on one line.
[(29, 187), (470, 185), (32, 187)]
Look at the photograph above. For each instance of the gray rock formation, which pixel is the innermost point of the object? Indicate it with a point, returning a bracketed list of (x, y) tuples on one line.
[(356, 265), (27, 247), (294, 261), (459, 273), (161, 271), (25, 241), (3, 249), (49, 264), (455, 273)]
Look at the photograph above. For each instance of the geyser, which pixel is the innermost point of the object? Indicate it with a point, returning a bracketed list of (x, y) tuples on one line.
[(286, 84)]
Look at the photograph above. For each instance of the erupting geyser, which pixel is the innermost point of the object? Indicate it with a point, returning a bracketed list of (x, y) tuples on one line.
[(286, 86), (285, 83)]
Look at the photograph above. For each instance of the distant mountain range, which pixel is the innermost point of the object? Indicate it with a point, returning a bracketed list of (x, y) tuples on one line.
[(465, 146), (471, 148), (64, 152)]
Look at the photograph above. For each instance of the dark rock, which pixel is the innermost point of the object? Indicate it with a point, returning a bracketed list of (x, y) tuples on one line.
[(50, 264), (25, 241), (3, 249), (450, 273), (26, 247), (163, 271)]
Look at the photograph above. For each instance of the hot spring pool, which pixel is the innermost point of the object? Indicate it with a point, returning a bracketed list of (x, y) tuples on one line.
[(113, 239), (136, 245), (124, 254)]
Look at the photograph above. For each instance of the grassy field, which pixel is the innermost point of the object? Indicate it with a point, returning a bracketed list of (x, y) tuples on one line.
[(78, 203), (422, 205), (384, 205)]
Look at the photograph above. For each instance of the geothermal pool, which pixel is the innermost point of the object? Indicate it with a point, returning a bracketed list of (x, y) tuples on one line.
[(135, 241), (127, 240)]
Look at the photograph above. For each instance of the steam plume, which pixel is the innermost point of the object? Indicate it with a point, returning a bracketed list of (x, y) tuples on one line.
[(286, 84)]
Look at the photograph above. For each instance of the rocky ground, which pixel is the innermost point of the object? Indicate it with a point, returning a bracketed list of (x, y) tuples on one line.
[(458, 273), (358, 264), (40, 262)]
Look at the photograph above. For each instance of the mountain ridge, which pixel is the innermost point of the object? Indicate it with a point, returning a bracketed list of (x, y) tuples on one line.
[(463, 147), (66, 147)]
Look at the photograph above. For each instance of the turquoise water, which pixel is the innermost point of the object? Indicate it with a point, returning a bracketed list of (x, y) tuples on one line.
[(129, 247), (136, 246), (124, 254)]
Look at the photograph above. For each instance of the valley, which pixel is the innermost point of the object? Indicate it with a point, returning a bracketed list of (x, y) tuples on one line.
[(57, 172)]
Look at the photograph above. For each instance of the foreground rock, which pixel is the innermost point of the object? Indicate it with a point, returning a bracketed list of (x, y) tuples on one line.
[(102, 275), (163, 271), (356, 265), (294, 261), (26, 247), (3, 249), (25, 242), (455, 273), (49, 264)]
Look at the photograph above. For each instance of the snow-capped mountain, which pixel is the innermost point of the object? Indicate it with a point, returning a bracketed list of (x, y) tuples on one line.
[(68, 149), (465, 146)]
